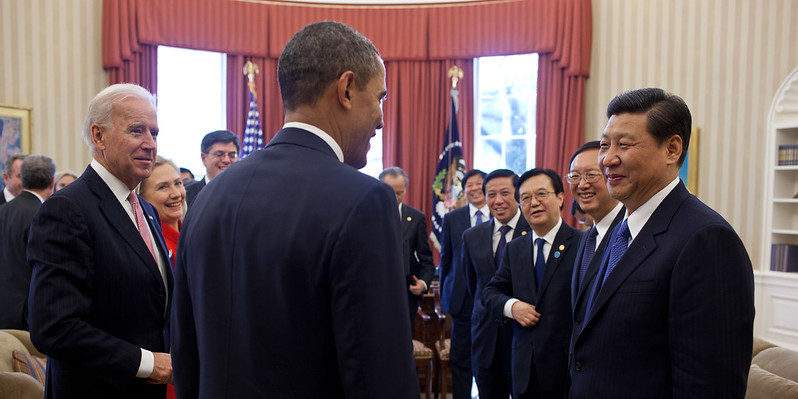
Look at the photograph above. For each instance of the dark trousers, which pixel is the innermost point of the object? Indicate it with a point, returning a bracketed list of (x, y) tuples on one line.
[(460, 357), (495, 381), (532, 389)]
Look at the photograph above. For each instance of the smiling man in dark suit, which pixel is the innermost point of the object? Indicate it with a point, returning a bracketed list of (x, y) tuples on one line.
[(671, 310), (37, 173), (101, 282), (289, 278), (218, 150), (455, 299), (483, 246), (533, 288), (417, 254)]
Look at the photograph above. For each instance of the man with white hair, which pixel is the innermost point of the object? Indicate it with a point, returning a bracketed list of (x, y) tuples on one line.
[(102, 281)]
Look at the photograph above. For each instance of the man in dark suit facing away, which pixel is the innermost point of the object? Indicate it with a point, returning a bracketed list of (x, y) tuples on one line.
[(101, 284), (37, 173), (455, 299), (218, 150), (670, 312), (289, 278), (483, 246), (589, 188), (417, 254), (533, 288)]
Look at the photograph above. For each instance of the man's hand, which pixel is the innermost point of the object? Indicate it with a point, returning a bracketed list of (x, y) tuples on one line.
[(525, 314), (162, 369), (417, 287)]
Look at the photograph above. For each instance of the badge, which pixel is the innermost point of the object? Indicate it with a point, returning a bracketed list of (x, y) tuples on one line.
[(562, 247), (409, 218), (523, 233), (557, 254)]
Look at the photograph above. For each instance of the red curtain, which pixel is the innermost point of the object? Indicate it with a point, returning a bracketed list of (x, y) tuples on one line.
[(125, 58)]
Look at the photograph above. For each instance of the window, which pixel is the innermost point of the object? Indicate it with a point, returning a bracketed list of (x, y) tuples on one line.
[(374, 158), (505, 99), (192, 99)]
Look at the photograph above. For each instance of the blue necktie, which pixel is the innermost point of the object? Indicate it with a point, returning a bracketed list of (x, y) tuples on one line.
[(479, 217), (497, 257), (618, 244), (540, 261), (587, 255)]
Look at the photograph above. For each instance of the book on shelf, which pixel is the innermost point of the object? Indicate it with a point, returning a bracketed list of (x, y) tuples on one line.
[(788, 155), (784, 258)]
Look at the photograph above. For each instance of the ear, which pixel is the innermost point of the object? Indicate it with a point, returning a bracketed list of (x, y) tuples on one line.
[(203, 156), (98, 137), (344, 86), (673, 148), (560, 199)]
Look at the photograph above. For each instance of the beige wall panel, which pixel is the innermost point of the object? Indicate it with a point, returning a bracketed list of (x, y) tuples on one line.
[(726, 59), (52, 63)]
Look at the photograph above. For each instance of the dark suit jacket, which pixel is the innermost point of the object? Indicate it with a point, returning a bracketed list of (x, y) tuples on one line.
[(417, 251), (192, 190), (581, 289), (15, 219), (290, 267), (97, 296), (544, 345), (479, 269), (455, 298), (675, 317)]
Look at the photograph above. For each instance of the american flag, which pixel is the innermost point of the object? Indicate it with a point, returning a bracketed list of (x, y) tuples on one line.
[(253, 135)]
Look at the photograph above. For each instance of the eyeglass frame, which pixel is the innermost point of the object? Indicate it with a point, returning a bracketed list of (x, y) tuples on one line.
[(538, 195), (222, 155), (574, 180)]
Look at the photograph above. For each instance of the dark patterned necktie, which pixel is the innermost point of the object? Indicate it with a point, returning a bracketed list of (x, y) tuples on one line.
[(497, 257), (618, 244), (540, 261)]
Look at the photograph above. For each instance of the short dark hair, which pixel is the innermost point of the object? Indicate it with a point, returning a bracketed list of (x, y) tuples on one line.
[(186, 170), (556, 180), (469, 174), (575, 207), (219, 136), (37, 172), (666, 114), (317, 55), (501, 173), (394, 171), (590, 145), (13, 158)]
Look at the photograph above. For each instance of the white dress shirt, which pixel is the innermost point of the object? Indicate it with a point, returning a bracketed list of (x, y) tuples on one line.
[(322, 134), (637, 219), (8, 195), (472, 212), (603, 226), (121, 193)]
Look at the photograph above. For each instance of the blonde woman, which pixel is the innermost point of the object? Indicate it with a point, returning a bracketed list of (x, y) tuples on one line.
[(164, 190)]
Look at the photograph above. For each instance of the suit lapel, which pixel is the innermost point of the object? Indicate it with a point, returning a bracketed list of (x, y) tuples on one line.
[(523, 272), (580, 251), (561, 244), (404, 219)]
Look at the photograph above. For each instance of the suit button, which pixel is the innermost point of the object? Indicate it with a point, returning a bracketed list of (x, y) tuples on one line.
[(160, 293), (578, 366)]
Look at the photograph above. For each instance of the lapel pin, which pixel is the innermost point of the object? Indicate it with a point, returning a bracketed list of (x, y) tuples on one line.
[(523, 233), (557, 254), (409, 218), (150, 217), (562, 247)]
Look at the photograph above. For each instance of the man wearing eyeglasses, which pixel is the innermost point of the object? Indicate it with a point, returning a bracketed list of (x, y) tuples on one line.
[(533, 287), (219, 150), (589, 189)]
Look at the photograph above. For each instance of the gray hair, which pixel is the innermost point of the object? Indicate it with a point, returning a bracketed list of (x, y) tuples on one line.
[(37, 172), (394, 171), (10, 161), (101, 106)]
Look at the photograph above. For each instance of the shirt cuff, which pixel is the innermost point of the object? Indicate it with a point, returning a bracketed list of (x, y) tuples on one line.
[(147, 364), (508, 307)]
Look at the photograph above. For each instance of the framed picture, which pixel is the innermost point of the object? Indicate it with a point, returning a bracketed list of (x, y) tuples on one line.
[(14, 132), (689, 170)]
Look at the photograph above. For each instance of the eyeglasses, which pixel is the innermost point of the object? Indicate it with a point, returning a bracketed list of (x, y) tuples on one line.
[(221, 154), (590, 177), (540, 196)]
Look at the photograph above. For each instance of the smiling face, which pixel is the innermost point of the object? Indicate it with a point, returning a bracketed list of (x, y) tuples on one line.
[(164, 190), (542, 214), (593, 197), (219, 157), (501, 198), (635, 164), (366, 119), (473, 191), (127, 148)]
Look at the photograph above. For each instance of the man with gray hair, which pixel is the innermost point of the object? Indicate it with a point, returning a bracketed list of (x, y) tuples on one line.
[(101, 284), (37, 175), (288, 278), (13, 184)]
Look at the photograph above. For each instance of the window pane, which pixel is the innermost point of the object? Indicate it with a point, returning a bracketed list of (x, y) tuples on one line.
[(192, 102), (489, 152), (515, 158), (374, 158)]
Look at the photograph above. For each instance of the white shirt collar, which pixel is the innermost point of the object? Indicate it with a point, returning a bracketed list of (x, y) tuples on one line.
[(511, 223), (37, 195), (549, 237), (322, 135), (119, 189), (604, 224), (8, 194), (637, 219), (472, 210)]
